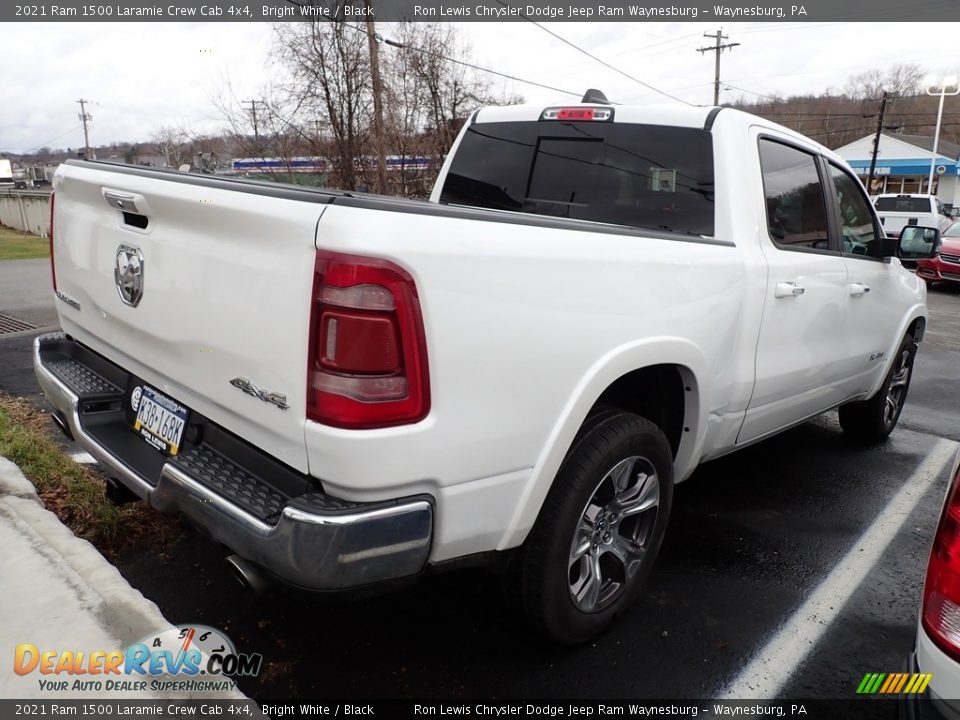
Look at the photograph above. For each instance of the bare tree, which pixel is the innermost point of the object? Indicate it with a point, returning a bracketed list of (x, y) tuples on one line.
[(432, 91), (898, 81), (173, 143), (328, 69)]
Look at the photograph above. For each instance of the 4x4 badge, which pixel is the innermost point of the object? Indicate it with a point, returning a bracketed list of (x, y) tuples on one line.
[(269, 397)]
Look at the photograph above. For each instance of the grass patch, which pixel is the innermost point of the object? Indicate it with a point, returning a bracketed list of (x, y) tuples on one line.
[(75, 493), (17, 245)]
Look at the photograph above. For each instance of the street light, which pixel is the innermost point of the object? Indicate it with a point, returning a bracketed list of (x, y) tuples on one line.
[(948, 86)]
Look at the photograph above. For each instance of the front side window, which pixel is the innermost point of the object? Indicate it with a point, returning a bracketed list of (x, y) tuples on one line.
[(858, 234), (796, 211), (643, 176)]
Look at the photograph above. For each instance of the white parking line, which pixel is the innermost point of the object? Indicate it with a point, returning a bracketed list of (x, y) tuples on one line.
[(83, 458), (774, 664)]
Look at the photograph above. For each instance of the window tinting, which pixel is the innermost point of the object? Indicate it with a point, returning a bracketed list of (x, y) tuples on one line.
[(645, 176), (796, 212), (858, 233), (903, 204)]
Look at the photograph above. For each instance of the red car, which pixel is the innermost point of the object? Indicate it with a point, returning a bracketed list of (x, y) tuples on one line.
[(945, 265)]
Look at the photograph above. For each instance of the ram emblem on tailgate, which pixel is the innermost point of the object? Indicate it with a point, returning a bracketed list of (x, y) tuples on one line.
[(128, 274)]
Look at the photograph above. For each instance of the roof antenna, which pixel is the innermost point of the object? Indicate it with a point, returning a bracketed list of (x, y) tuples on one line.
[(595, 96)]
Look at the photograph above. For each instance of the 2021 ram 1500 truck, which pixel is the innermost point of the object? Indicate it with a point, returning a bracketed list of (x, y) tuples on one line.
[(348, 389)]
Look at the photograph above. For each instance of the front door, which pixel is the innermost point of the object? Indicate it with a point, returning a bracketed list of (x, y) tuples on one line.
[(801, 333)]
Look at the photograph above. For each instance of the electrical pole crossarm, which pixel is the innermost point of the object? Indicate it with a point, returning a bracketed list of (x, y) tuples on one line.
[(718, 47)]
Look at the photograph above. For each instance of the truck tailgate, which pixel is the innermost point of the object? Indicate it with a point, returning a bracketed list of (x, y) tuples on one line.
[(225, 294)]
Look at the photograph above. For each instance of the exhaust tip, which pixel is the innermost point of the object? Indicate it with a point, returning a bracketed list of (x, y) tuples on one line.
[(61, 422), (118, 493), (247, 574)]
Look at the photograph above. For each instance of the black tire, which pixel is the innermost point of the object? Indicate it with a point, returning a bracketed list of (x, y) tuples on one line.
[(873, 420), (623, 536)]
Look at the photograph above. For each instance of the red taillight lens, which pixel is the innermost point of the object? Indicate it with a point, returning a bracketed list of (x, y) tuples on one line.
[(941, 591), (53, 270), (578, 114), (368, 363)]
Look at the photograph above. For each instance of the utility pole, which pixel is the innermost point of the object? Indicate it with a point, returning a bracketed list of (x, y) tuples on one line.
[(377, 101), (85, 117), (256, 130), (876, 142), (716, 48)]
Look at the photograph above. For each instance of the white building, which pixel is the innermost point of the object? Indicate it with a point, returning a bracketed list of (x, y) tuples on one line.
[(903, 165)]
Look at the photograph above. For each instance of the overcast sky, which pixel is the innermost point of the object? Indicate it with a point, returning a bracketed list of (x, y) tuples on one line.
[(144, 75)]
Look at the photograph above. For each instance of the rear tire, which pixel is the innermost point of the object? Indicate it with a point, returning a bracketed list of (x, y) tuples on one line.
[(600, 528), (873, 420)]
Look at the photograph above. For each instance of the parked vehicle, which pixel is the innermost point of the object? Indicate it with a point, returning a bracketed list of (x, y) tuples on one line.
[(938, 634), (6, 173), (945, 265), (898, 211), (350, 390)]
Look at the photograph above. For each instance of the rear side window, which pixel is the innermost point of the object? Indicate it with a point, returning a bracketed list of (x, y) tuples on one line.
[(644, 176), (903, 204), (796, 210)]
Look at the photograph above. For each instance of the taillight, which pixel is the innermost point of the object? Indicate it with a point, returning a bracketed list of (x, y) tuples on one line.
[(53, 270), (367, 366), (941, 591)]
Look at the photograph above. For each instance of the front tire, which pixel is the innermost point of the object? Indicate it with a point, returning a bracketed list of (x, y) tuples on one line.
[(600, 528), (873, 420)]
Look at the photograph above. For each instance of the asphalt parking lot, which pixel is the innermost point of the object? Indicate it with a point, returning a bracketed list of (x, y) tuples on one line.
[(774, 578)]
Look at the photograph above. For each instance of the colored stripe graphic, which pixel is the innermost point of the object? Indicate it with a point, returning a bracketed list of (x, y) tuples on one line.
[(894, 683)]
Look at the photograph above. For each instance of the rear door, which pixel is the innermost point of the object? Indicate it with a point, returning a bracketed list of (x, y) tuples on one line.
[(225, 279), (801, 338)]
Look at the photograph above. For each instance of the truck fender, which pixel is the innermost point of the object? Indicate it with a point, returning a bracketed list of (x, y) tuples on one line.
[(918, 310), (607, 370)]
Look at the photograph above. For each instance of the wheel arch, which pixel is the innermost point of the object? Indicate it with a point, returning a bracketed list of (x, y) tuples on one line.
[(675, 367), (914, 320)]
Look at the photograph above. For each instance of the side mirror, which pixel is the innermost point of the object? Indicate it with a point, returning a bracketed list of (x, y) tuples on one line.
[(917, 243)]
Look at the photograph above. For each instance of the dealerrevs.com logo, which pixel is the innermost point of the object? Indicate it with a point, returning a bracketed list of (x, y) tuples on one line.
[(187, 658)]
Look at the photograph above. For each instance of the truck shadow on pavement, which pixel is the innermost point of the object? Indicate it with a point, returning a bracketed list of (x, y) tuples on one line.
[(751, 535)]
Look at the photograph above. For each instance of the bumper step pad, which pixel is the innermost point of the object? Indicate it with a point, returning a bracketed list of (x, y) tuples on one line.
[(226, 478)]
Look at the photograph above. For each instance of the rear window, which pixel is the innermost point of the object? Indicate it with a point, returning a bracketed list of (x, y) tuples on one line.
[(904, 204), (645, 176)]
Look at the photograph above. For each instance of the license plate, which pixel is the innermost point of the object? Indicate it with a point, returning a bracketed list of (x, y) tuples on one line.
[(160, 421)]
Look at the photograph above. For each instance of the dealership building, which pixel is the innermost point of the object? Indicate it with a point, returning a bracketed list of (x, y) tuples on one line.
[(903, 165)]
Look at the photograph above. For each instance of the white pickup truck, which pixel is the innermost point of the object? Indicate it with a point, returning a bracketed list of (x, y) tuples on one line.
[(348, 390), (899, 211)]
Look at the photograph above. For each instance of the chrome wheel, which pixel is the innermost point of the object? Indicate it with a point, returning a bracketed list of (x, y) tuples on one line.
[(897, 390), (613, 533)]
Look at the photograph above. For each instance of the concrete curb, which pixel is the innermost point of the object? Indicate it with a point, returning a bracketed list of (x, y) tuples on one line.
[(60, 593)]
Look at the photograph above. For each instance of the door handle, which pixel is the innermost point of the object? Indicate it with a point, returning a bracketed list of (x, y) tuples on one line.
[(788, 289), (857, 289)]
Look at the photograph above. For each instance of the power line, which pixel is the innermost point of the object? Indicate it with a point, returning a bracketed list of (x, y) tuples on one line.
[(595, 58), (30, 150), (462, 63)]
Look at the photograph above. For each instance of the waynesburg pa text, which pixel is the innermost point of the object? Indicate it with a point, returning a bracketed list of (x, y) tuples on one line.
[(603, 11)]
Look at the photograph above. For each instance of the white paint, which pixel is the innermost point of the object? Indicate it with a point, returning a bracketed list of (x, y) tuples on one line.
[(776, 662)]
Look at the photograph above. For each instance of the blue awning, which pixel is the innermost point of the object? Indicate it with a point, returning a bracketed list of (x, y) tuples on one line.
[(910, 166)]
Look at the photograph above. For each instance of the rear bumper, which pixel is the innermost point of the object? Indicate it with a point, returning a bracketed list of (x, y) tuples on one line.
[(263, 511)]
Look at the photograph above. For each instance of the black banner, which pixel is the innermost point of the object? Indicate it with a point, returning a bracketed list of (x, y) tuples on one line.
[(486, 709), (640, 11)]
